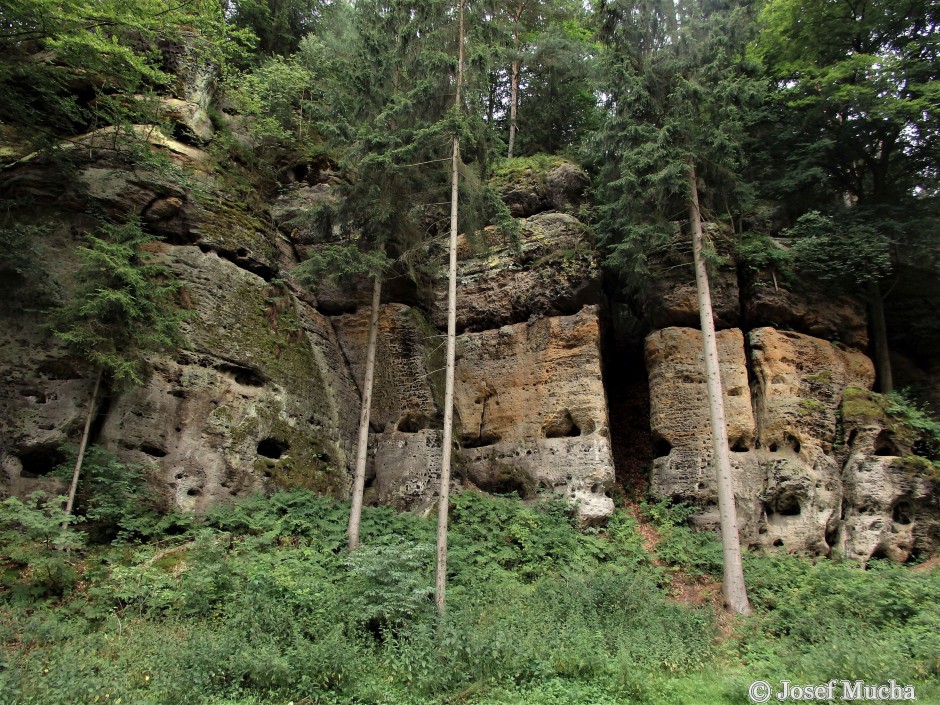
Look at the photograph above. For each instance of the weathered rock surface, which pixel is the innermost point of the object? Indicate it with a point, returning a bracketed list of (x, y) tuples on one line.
[(189, 115), (678, 404), (265, 394), (670, 298), (798, 387), (44, 395), (530, 409), (808, 309), (533, 413), (534, 190), (261, 398), (553, 271), (409, 378), (790, 486), (891, 508)]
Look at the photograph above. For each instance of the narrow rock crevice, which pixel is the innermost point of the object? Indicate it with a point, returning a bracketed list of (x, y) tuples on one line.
[(623, 368)]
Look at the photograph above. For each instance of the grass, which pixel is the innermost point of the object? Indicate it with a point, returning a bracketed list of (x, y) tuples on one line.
[(262, 605)]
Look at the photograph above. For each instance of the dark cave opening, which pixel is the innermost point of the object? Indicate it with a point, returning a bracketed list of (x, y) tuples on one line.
[(885, 444), (628, 399), (40, 460), (272, 448), (564, 427)]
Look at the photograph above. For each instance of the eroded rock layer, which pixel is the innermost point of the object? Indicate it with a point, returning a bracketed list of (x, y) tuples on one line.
[(801, 482), (533, 413)]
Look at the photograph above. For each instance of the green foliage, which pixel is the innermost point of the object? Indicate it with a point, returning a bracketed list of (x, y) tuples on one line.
[(855, 83), (73, 66), (279, 25), (920, 421), (557, 106), (838, 618), (391, 584), (680, 96), (759, 252), (531, 168), (31, 537), (123, 308), (262, 604), (698, 553), (848, 251), (22, 273), (114, 500), (334, 262)]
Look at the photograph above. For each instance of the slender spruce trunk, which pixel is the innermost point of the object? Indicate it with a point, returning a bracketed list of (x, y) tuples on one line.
[(879, 334), (362, 450), (89, 415), (733, 588), (440, 572), (513, 103)]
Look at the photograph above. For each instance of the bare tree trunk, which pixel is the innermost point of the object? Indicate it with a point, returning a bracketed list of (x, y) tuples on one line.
[(440, 573), (89, 415), (733, 588), (362, 450), (513, 103), (879, 335)]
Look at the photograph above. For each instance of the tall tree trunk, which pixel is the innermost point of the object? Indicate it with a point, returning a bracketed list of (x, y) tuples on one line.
[(440, 572), (513, 103), (879, 335), (733, 588), (362, 450), (89, 415)]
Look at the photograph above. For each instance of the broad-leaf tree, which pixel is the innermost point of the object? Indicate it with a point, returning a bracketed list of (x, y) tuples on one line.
[(856, 126)]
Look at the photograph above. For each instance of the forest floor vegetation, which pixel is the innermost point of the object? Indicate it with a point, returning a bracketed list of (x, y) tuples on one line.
[(260, 603)]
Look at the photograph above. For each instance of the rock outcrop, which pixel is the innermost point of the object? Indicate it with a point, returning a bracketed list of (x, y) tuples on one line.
[(552, 270), (891, 506), (264, 394), (530, 409), (796, 485), (533, 412), (260, 399), (558, 185)]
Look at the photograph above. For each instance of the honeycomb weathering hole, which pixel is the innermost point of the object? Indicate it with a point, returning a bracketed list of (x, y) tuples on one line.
[(563, 427), (244, 376), (885, 444), (272, 448), (39, 461), (412, 422), (786, 505), (902, 513)]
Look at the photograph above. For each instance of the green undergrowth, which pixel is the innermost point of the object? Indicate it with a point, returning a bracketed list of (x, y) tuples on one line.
[(261, 604)]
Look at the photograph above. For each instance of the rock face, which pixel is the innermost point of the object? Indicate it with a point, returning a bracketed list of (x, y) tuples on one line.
[(261, 396), (260, 399), (670, 298), (536, 189), (891, 503), (533, 413), (408, 394), (529, 401), (264, 394), (794, 485), (551, 271), (810, 310)]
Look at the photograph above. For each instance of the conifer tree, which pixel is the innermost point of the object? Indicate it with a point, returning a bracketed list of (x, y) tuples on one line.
[(678, 99), (122, 311), (856, 127), (387, 86), (440, 573)]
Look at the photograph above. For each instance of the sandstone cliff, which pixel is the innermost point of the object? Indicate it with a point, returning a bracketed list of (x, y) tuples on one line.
[(266, 392)]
